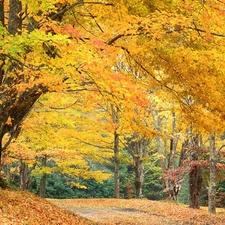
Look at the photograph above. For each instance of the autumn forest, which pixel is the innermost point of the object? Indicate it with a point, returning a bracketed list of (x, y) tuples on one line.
[(114, 99)]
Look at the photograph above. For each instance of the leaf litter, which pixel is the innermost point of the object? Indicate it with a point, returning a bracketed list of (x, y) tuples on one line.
[(138, 212), (24, 208)]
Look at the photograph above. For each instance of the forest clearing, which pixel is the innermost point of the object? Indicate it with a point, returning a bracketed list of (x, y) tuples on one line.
[(20, 208)]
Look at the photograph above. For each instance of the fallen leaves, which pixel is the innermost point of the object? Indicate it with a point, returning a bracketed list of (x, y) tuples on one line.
[(20, 208), (137, 211)]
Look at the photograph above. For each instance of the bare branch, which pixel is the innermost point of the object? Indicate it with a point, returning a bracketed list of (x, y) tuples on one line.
[(203, 31), (66, 107), (115, 39), (97, 146)]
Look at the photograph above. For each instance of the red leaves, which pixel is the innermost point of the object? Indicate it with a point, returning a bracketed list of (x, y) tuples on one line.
[(197, 148), (69, 30), (175, 174), (98, 43)]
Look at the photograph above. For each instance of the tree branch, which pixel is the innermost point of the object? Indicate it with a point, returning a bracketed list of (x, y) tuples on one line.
[(221, 147), (66, 107), (97, 146), (79, 2), (2, 56), (203, 31)]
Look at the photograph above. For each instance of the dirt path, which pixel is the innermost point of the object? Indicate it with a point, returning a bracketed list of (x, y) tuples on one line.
[(118, 215), (115, 215), (137, 212)]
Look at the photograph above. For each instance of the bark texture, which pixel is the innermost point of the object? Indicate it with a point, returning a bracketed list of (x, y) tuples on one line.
[(195, 177), (137, 149), (212, 175), (43, 179)]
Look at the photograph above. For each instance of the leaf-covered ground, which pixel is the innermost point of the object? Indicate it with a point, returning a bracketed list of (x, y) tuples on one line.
[(139, 212), (20, 208)]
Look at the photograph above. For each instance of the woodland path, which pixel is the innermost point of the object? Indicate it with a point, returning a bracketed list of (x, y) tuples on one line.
[(114, 215), (137, 212)]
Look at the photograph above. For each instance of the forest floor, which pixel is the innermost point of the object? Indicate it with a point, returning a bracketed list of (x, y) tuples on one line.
[(20, 208), (139, 212), (24, 208)]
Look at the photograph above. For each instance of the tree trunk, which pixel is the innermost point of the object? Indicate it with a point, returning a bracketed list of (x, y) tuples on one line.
[(0, 154), (2, 19), (173, 178), (161, 147), (195, 187), (138, 155), (173, 145), (15, 17), (137, 149), (24, 180), (115, 120), (212, 175), (43, 179), (139, 178), (116, 166), (195, 178)]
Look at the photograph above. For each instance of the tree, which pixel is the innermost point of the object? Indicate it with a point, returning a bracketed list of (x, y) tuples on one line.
[(35, 49), (43, 178), (138, 149), (23, 77), (195, 174)]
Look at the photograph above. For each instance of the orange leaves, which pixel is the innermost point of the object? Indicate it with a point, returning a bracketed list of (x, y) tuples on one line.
[(69, 30), (98, 43), (208, 35), (38, 211)]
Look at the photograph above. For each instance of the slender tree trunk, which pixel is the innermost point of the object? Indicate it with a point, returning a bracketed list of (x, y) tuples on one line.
[(0, 154), (172, 187), (139, 153), (116, 166), (139, 178), (115, 120), (212, 175), (43, 179), (24, 180), (159, 140), (173, 145)]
